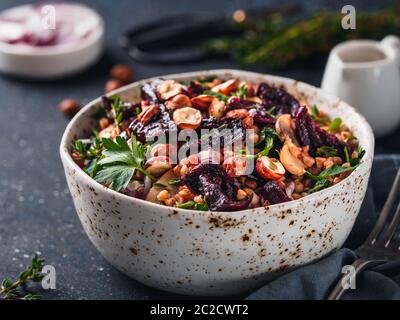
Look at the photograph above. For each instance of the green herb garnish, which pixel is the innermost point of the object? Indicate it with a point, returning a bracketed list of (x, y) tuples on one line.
[(327, 151), (331, 171), (80, 148), (100, 113), (175, 181), (120, 162), (193, 205), (92, 168), (356, 161), (201, 206), (319, 185), (269, 144), (270, 42), (314, 113), (269, 136), (335, 124), (117, 109), (270, 112), (241, 92), (13, 289), (187, 205), (219, 96), (205, 81), (346, 153)]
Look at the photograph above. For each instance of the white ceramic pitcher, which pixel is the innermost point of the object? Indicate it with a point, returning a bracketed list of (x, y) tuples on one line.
[(366, 74)]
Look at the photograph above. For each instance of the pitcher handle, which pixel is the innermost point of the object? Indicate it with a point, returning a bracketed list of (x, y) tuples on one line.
[(393, 42)]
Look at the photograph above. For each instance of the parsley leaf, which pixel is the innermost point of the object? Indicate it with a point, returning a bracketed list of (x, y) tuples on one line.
[(117, 176), (92, 167), (120, 162)]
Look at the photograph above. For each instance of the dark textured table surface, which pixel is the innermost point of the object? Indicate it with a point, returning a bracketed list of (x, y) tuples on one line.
[(36, 210)]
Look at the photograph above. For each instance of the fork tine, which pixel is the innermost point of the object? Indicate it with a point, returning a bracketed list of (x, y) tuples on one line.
[(389, 233), (387, 208)]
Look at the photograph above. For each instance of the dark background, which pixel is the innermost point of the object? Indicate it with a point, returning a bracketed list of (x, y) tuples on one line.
[(36, 210)]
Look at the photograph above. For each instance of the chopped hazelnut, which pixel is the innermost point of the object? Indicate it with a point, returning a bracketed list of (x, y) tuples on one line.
[(163, 195), (241, 194), (104, 123)]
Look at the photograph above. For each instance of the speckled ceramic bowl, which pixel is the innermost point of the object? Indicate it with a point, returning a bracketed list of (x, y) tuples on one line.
[(217, 253)]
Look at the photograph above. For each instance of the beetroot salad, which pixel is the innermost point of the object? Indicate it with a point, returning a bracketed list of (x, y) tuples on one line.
[(218, 145)]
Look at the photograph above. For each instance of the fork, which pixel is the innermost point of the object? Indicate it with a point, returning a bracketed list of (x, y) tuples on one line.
[(379, 246)]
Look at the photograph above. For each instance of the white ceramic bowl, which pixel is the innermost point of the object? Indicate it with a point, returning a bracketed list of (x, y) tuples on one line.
[(54, 61), (217, 253)]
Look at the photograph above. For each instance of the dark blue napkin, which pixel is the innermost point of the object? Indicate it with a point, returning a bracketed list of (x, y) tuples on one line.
[(315, 281)]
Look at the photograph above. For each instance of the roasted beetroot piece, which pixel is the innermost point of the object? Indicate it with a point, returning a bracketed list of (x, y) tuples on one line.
[(106, 103), (149, 91), (261, 115), (162, 123), (194, 89), (278, 98), (310, 134), (212, 123), (274, 193), (212, 182), (133, 193), (229, 131), (238, 103), (130, 110)]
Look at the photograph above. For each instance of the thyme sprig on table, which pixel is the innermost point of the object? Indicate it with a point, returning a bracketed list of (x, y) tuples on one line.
[(13, 289)]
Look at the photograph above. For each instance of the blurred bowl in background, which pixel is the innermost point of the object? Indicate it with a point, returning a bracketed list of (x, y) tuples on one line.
[(32, 45)]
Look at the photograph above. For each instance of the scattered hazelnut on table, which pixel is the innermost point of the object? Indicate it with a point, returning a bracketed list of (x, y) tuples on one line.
[(113, 84), (69, 107), (122, 73)]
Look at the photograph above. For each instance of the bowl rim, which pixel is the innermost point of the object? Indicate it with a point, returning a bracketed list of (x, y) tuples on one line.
[(65, 156), (60, 50)]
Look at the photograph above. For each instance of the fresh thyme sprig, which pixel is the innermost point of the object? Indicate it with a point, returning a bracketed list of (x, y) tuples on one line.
[(88, 149), (281, 40), (13, 289), (242, 91)]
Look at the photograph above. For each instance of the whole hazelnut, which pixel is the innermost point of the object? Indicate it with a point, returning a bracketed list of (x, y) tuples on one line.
[(122, 72), (69, 107), (103, 123), (113, 84)]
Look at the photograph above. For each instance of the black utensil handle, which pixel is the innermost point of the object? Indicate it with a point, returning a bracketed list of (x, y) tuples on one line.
[(145, 41)]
